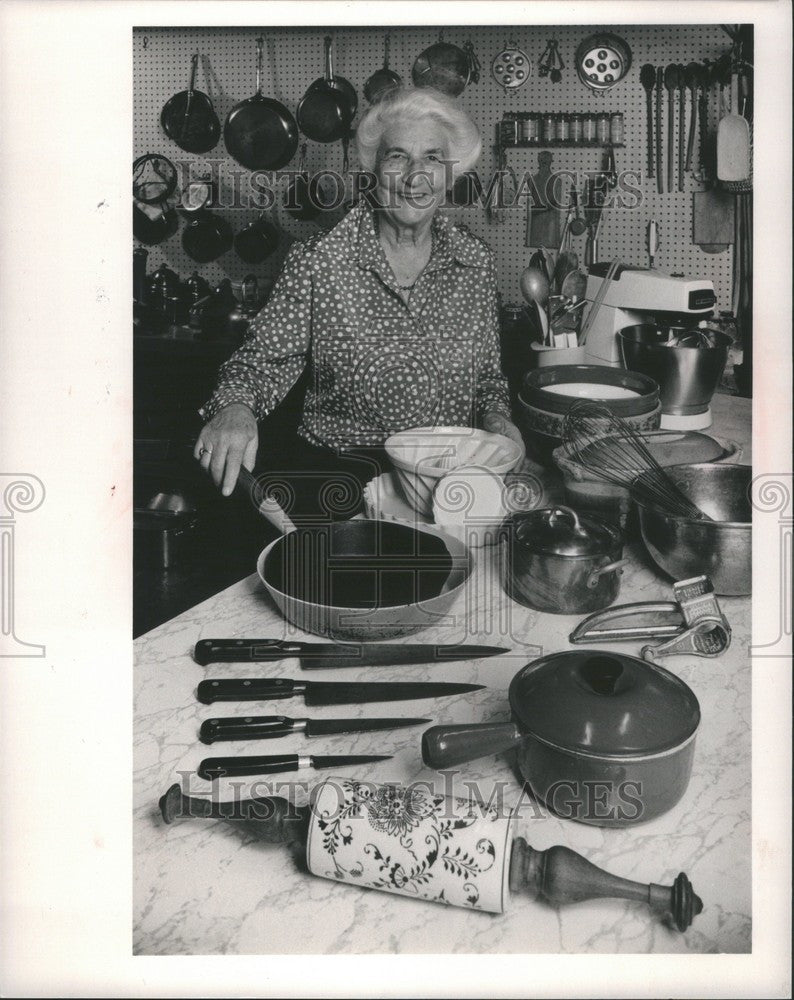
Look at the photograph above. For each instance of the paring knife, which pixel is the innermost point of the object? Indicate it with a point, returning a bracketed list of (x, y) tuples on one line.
[(324, 655), (268, 727), (324, 693), (229, 767)]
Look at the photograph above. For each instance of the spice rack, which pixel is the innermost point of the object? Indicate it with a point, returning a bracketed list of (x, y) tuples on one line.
[(554, 129)]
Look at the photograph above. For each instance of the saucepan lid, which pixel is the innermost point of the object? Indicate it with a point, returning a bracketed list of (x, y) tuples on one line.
[(604, 704), (562, 531)]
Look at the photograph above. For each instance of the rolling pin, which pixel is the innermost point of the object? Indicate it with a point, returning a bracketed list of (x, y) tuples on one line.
[(409, 841)]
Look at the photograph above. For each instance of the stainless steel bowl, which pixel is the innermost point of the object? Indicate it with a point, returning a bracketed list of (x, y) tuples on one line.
[(688, 376), (720, 548)]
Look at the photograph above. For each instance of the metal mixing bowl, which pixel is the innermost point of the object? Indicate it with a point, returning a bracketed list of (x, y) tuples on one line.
[(688, 376), (720, 548)]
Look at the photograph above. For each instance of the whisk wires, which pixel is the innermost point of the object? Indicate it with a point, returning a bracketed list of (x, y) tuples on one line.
[(614, 451)]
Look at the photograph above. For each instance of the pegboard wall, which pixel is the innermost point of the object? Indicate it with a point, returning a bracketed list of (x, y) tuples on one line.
[(294, 58)]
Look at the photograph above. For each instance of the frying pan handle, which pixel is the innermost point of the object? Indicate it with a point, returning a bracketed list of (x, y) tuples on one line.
[(260, 51), (329, 65), (193, 68), (446, 746), (266, 505)]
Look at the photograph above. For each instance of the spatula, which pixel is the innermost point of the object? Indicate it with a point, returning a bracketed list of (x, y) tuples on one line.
[(733, 141)]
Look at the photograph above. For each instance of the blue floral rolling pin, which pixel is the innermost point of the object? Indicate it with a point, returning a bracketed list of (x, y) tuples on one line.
[(407, 840)]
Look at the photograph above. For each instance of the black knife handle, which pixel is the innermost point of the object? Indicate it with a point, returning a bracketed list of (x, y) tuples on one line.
[(230, 767), (250, 727), (244, 650), (248, 689)]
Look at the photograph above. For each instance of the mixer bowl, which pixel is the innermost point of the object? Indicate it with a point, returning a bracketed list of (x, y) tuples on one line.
[(688, 376), (720, 548)]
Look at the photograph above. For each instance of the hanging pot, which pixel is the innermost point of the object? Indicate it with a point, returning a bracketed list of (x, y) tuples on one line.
[(189, 118), (601, 738), (259, 132), (206, 237), (257, 241), (446, 67), (328, 106), (383, 81), (153, 228), (561, 562)]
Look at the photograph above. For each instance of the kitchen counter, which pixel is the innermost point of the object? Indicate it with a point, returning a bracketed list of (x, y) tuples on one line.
[(209, 887)]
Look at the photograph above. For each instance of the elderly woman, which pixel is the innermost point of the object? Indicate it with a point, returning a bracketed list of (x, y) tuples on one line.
[(394, 311)]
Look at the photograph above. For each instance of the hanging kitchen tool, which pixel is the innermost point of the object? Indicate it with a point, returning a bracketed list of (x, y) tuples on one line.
[(659, 129), (189, 118), (329, 106), (693, 80), (446, 67), (195, 196), (588, 716), (355, 855), (692, 623), (652, 236), (733, 140), (259, 132), (511, 68), (672, 82), (682, 89), (543, 218), (550, 63), (505, 190), (648, 81), (154, 179), (206, 237), (713, 213), (299, 198), (602, 60), (578, 224), (257, 241), (384, 80)]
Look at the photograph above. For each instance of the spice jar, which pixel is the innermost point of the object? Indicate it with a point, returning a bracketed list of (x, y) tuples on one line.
[(563, 128), (602, 128), (533, 128), (508, 130), (576, 128), (616, 129), (549, 128), (588, 128)]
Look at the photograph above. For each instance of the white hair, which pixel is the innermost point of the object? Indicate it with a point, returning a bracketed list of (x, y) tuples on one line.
[(410, 104)]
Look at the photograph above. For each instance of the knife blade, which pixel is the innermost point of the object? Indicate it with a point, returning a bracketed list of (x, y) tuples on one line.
[(323, 692), (228, 767), (327, 655), (268, 727)]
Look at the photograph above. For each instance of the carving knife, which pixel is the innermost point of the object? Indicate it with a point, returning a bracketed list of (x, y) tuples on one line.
[(268, 727), (325, 655), (228, 767), (324, 693)]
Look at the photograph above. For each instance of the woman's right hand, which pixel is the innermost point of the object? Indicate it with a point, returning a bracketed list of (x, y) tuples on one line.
[(228, 441)]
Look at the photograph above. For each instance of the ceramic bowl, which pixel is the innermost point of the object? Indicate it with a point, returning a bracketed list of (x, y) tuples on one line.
[(422, 455)]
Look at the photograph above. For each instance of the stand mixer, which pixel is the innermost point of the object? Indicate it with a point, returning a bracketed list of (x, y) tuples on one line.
[(640, 311)]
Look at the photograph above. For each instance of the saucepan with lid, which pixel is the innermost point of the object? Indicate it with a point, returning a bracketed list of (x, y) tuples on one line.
[(601, 738), (561, 562)]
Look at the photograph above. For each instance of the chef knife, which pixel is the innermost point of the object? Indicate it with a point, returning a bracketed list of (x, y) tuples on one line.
[(229, 767), (324, 655), (268, 727), (324, 693)]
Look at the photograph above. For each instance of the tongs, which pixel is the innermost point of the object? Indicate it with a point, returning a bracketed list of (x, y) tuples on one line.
[(698, 625)]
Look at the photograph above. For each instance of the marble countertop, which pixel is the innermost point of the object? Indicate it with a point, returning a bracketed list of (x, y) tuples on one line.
[(209, 887)]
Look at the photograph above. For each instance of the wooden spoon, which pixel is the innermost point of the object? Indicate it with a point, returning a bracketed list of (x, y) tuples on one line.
[(648, 81)]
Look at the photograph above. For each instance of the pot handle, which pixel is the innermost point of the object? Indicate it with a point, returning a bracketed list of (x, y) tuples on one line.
[(569, 514), (445, 746), (592, 580)]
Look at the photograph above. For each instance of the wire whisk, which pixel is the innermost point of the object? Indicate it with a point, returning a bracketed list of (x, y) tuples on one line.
[(614, 451)]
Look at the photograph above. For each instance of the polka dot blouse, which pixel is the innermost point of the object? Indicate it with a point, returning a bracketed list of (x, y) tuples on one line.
[(378, 363)]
